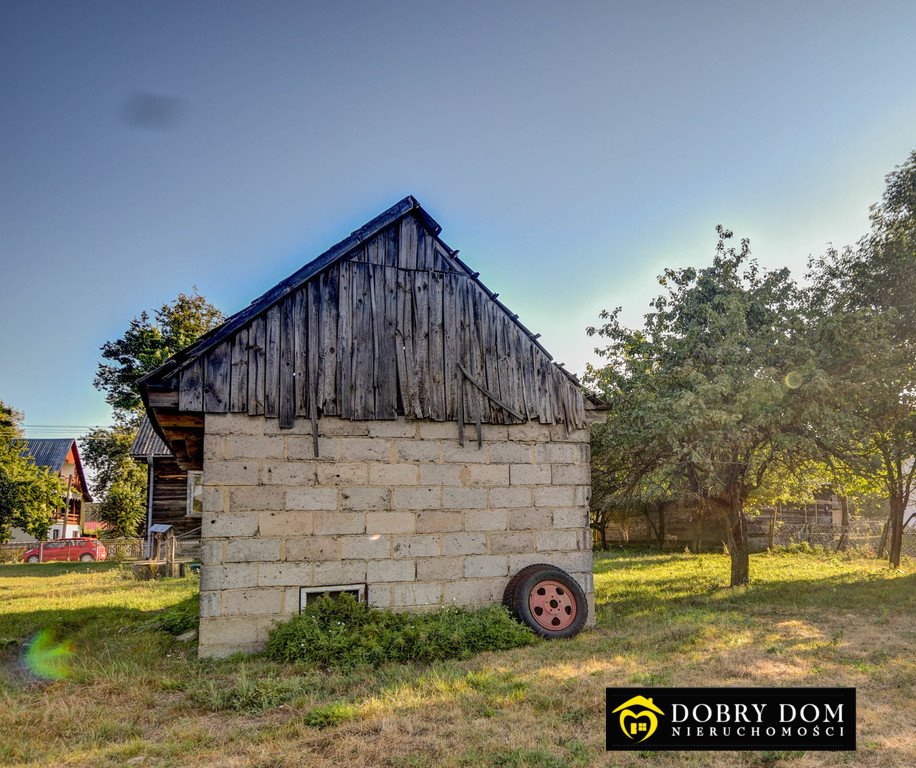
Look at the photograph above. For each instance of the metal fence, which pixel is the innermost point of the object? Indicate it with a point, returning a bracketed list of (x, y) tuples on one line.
[(868, 538), (121, 550)]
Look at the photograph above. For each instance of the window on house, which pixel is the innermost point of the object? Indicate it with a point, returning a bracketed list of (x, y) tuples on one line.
[(195, 494)]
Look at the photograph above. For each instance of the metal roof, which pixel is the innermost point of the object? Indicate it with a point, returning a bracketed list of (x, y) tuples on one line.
[(51, 452), (147, 443)]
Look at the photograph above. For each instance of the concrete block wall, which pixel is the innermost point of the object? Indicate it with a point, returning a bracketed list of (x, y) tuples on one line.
[(397, 505)]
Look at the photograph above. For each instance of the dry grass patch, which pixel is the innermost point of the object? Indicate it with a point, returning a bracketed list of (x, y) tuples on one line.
[(136, 696)]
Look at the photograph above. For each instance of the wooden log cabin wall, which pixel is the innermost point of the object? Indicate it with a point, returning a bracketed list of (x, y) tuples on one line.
[(389, 322)]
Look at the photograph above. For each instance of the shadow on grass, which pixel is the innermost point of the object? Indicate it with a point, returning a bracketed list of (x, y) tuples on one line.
[(700, 585), (99, 621), (40, 570)]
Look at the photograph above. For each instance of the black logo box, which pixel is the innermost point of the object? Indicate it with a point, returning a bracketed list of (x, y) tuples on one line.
[(684, 725)]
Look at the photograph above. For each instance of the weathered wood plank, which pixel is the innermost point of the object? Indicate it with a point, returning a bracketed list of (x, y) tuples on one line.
[(287, 387), (442, 261), (257, 365), (362, 373), (421, 339), (314, 308), (425, 249), (392, 246), (191, 387), (162, 398), (376, 249), (385, 291), (238, 377), (476, 366), (404, 343), (216, 379), (323, 309), (490, 360), (527, 357), (345, 343), (451, 347), (492, 396), (272, 366), (301, 342), (407, 243), (436, 402)]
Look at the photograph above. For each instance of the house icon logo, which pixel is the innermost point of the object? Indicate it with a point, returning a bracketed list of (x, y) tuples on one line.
[(638, 719)]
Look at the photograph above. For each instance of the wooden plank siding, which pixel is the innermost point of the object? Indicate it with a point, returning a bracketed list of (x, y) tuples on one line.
[(170, 495), (382, 332)]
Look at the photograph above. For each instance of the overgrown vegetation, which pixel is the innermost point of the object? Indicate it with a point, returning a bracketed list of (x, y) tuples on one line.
[(342, 633), (119, 481), (135, 693), (30, 496), (740, 385)]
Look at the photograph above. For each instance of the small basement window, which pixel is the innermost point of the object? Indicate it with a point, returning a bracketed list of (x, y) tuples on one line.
[(357, 590)]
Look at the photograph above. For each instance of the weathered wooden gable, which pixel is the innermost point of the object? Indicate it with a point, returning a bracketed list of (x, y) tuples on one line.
[(397, 325)]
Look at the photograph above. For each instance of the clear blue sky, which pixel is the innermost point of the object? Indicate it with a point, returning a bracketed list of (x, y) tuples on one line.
[(570, 150)]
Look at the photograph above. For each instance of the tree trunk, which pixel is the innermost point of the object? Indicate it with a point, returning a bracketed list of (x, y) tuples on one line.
[(737, 544), (603, 532), (661, 526), (843, 543), (896, 530), (882, 545)]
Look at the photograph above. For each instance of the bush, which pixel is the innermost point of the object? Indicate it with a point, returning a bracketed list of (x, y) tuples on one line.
[(343, 633)]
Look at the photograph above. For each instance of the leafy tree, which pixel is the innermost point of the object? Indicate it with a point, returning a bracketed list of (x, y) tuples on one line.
[(107, 451), (708, 392), (862, 307), (146, 344), (30, 496), (629, 486), (119, 481), (124, 507)]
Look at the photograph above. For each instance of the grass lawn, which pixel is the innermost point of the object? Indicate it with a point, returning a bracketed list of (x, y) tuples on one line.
[(134, 695)]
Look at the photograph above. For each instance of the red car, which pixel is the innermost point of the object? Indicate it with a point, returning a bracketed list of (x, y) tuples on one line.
[(84, 550)]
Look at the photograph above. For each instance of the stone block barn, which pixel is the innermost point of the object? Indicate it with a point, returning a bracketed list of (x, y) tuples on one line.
[(377, 423)]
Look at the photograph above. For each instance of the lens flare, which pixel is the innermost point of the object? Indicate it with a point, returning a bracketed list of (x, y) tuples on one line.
[(47, 658), (794, 380)]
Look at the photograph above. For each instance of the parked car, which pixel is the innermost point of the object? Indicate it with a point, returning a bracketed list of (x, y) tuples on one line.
[(83, 549)]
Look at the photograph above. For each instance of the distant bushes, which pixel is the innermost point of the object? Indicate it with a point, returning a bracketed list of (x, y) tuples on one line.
[(343, 633)]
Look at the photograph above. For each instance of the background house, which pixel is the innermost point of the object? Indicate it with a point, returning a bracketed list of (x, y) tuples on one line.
[(60, 456), (173, 494)]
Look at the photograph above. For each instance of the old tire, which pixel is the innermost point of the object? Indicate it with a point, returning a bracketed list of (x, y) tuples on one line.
[(548, 600), (87, 558), (32, 559)]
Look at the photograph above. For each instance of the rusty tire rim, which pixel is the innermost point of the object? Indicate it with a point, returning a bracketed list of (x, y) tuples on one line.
[(552, 605)]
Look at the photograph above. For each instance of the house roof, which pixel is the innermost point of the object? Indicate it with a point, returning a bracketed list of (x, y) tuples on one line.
[(52, 454), (147, 444), (409, 205), (212, 375)]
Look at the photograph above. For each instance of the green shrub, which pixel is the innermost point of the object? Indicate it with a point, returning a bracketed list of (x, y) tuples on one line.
[(343, 633)]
